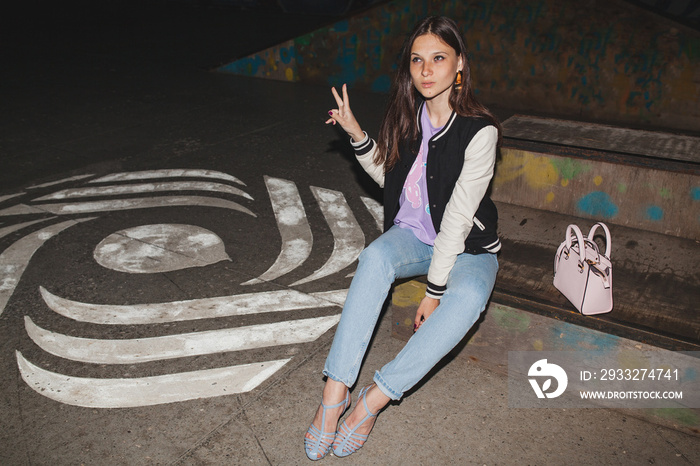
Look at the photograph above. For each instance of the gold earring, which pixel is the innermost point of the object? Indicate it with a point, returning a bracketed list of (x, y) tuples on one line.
[(458, 80)]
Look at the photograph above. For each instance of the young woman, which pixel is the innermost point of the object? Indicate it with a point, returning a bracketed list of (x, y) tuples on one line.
[(435, 157)]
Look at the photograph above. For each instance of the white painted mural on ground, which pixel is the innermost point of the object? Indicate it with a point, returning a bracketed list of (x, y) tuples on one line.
[(164, 247)]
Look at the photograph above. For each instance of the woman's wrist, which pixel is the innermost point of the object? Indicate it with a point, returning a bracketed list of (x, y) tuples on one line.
[(357, 134)]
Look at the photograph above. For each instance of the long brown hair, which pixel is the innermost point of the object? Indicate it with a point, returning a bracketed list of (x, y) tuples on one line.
[(399, 124)]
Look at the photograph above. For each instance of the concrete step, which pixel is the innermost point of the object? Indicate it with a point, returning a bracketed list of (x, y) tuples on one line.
[(648, 180), (656, 282)]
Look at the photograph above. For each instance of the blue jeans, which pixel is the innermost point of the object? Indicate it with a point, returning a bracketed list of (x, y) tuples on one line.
[(399, 254)]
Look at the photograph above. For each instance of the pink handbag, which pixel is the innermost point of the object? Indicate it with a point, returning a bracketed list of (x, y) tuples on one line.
[(582, 273)]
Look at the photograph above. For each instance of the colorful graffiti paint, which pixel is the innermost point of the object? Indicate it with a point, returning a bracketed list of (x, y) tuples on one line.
[(601, 172), (598, 204), (651, 200), (620, 194), (619, 63)]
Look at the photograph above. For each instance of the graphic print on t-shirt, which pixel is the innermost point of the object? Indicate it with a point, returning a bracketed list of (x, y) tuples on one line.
[(411, 186)]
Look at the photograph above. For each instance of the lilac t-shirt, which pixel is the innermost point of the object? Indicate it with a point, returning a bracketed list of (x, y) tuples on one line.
[(414, 208)]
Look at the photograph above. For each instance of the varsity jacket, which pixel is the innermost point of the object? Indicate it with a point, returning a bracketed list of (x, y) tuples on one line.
[(460, 163)]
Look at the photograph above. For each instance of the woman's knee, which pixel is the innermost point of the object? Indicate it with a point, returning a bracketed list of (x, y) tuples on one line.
[(377, 257)]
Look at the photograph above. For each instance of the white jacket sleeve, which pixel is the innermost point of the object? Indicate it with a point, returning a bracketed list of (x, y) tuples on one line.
[(458, 219), (368, 147)]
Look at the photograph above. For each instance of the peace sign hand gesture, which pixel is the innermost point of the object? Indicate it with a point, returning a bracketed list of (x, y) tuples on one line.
[(343, 115)]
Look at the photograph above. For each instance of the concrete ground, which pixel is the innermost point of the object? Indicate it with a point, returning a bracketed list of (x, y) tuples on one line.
[(114, 362)]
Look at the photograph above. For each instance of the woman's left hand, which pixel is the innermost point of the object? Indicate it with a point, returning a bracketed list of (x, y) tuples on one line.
[(425, 308)]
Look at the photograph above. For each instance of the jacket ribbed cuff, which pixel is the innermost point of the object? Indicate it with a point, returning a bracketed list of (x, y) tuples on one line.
[(362, 147), (435, 291)]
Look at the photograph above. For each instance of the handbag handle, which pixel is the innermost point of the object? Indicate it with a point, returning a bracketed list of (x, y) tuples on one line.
[(577, 233), (579, 240), (608, 240)]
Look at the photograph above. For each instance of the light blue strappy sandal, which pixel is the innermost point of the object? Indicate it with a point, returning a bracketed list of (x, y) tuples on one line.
[(318, 448), (347, 441)]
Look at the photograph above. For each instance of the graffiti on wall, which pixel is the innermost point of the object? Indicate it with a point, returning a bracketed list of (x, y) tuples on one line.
[(617, 63), (601, 172), (654, 200)]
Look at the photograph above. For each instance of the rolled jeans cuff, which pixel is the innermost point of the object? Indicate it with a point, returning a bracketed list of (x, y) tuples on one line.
[(333, 377), (386, 389)]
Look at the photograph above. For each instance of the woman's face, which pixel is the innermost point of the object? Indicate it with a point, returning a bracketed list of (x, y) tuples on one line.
[(434, 66)]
